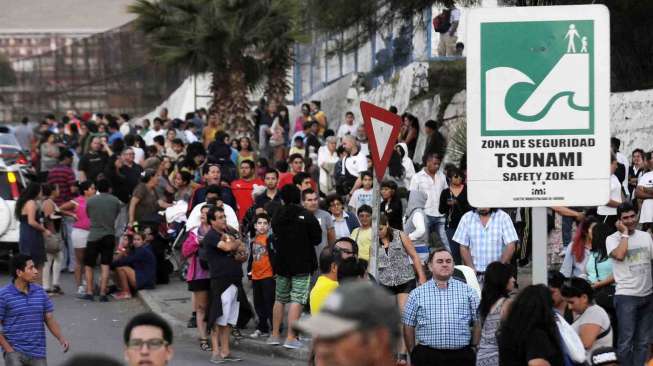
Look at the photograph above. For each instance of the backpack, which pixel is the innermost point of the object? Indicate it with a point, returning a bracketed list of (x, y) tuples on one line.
[(442, 22), (344, 182)]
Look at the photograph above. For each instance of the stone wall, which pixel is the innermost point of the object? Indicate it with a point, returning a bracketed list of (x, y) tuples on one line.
[(631, 112)]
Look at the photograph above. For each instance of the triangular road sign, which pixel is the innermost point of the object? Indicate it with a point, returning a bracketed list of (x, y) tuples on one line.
[(382, 128)]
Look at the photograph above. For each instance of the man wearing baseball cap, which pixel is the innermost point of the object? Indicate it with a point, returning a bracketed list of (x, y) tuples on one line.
[(358, 325)]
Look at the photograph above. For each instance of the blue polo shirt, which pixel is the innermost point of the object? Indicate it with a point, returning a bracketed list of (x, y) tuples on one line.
[(23, 318)]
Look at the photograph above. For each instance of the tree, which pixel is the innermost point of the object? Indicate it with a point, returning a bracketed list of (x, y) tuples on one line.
[(228, 38)]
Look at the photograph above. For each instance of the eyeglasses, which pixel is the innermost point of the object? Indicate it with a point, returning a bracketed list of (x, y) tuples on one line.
[(152, 344)]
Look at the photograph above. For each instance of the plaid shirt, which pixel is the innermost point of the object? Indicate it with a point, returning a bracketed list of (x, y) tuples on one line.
[(442, 317), (486, 243)]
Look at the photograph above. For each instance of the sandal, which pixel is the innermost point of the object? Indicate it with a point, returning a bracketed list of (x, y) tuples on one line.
[(402, 359), (205, 345)]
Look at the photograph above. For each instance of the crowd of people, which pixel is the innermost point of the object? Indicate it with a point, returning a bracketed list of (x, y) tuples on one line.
[(290, 207)]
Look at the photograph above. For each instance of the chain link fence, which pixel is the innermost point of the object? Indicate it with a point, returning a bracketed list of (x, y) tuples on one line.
[(108, 72)]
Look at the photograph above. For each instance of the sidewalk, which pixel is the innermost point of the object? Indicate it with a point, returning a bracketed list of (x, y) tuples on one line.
[(172, 302)]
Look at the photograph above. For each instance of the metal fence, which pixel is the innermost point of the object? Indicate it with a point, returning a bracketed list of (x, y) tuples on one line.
[(108, 72)]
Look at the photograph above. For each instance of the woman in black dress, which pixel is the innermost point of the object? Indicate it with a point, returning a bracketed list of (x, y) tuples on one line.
[(32, 230)]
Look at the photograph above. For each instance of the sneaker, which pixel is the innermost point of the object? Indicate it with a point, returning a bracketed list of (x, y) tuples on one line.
[(258, 334), (294, 344), (88, 297), (216, 359), (273, 341), (104, 298), (192, 322), (81, 290), (236, 333), (57, 290), (231, 358), (121, 296)]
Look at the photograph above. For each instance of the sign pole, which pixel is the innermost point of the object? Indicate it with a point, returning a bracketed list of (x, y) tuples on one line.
[(376, 209), (539, 228), (382, 129)]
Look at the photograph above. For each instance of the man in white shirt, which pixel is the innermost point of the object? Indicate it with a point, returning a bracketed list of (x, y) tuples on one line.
[(347, 128), (156, 130), (448, 39), (432, 182), (608, 212), (644, 191), (632, 251)]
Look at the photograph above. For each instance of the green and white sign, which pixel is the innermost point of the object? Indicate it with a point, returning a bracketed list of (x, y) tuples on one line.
[(538, 84)]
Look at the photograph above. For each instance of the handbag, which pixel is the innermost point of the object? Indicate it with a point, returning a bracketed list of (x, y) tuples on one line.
[(603, 296), (571, 342), (53, 243)]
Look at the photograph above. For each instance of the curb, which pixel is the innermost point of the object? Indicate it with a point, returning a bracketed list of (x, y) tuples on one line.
[(245, 345)]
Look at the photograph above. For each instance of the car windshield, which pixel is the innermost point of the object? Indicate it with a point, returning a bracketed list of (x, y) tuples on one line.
[(7, 139), (5, 185)]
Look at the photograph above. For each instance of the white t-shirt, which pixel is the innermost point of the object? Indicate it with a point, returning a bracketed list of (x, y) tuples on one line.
[(190, 137), (139, 155), (151, 134), (360, 197), (615, 195), (433, 187), (346, 129), (646, 212), (356, 164), (633, 274), (595, 315), (194, 217)]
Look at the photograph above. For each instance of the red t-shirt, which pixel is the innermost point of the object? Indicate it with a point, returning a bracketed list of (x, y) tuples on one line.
[(286, 178), (242, 190)]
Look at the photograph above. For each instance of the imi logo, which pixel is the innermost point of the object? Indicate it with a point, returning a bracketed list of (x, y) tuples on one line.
[(537, 78)]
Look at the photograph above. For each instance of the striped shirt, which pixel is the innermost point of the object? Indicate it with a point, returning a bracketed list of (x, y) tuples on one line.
[(23, 318), (442, 317), (64, 177), (486, 243)]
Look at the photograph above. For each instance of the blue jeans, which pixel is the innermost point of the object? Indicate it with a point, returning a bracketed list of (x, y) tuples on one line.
[(635, 323), (567, 226), (437, 225)]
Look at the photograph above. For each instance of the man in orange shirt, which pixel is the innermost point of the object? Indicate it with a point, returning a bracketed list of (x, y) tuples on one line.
[(242, 188)]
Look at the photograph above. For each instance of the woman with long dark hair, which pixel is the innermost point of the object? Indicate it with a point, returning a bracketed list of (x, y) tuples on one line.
[(499, 283), (453, 202), (409, 131), (577, 253), (30, 241), (529, 335)]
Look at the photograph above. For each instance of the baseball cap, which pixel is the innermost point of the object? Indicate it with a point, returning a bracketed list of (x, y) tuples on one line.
[(356, 305), (604, 356)]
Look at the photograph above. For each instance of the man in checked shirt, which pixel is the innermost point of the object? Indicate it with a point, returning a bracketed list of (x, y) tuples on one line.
[(440, 319)]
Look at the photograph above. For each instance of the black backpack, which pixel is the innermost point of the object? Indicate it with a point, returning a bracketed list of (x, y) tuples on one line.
[(442, 22), (344, 182)]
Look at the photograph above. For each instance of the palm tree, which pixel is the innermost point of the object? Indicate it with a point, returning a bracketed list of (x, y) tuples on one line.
[(228, 38)]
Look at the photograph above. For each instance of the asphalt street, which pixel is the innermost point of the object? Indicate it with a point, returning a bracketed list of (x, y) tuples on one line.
[(94, 327)]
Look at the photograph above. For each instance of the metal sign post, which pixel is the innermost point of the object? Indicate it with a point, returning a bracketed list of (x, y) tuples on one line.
[(538, 111), (382, 129)]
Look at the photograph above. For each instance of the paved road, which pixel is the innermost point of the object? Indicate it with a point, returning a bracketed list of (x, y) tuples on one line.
[(97, 328)]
